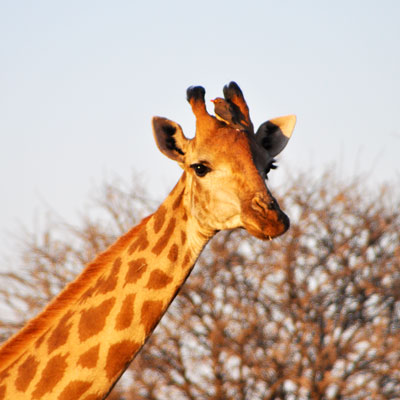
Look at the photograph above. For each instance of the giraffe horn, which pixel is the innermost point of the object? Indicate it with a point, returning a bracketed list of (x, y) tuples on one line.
[(233, 94), (195, 96)]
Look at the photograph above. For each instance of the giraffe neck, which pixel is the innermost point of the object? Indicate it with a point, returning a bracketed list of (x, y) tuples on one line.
[(84, 340)]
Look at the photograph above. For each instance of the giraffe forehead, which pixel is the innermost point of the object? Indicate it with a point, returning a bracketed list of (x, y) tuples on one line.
[(225, 144)]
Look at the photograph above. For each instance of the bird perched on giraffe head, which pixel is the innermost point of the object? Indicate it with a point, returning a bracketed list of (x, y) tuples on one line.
[(227, 112)]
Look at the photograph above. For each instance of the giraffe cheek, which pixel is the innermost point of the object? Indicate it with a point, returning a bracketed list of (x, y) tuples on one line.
[(225, 213)]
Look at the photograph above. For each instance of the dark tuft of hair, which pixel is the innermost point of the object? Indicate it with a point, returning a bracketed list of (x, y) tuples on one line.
[(232, 89), (195, 92), (169, 130), (170, 143)]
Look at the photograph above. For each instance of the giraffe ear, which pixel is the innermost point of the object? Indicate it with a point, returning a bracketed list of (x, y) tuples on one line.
[(170, 138), (274, 134)]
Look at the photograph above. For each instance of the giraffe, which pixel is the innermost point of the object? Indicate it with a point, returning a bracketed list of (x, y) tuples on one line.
[(83, 341)]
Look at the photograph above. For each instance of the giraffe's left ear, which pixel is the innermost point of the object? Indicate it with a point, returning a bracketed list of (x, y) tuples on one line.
[(170, 138), (274, 134)]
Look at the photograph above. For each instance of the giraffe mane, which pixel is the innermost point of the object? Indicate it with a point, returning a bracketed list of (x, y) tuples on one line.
[(72, 292)]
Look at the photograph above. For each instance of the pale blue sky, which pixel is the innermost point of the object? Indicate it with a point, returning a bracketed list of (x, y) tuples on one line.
[(80, 81)]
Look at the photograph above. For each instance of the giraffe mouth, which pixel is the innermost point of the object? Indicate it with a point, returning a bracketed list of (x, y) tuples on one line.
[(268, 230)]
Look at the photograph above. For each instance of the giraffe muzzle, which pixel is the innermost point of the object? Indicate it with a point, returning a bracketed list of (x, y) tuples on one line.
[(264, 218)]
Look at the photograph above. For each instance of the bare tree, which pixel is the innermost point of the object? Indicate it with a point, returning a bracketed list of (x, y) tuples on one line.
[(54, 254), (312, 315)]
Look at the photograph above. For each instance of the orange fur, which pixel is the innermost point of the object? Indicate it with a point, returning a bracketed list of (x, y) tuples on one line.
[(11, 350)]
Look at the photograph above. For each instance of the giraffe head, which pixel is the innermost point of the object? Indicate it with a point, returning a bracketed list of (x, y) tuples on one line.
[(226, 166)]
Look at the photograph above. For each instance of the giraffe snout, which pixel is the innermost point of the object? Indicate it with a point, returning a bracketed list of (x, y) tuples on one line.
[(269, 218)]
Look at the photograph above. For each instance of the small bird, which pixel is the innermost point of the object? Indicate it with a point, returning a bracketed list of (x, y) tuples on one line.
[(227, 112)]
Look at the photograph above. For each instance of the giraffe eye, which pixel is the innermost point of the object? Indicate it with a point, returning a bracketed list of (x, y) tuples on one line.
[(200, 169)]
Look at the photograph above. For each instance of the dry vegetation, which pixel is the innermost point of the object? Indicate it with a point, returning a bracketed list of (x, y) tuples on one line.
[(312, 315)]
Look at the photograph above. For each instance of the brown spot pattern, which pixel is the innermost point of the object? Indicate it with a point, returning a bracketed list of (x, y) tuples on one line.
[(178, 200), (92, 397), (105, 285), (159, 218), (74, 390), (26, 372), (136, 270), (125, 316), (88, 293), (60, 334), (5, 373), (163, 240), (119, 356), (93, 320), (183, 237), (51, 375), (2, 392), (186, 260), (158, 279), (90, 357), (140, 243), (40, 340), (173, 253), (151, 314)]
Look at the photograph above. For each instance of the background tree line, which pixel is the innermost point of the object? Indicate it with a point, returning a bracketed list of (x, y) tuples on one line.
[(313, 315)]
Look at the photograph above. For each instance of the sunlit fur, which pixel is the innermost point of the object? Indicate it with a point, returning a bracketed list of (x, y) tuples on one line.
[(34, 328)]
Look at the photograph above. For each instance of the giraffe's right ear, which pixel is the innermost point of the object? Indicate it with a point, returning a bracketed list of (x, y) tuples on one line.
[(170, 138), (274, 134)]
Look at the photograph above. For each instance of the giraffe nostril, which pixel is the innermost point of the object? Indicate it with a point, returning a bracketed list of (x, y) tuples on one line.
[(260, 205)]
